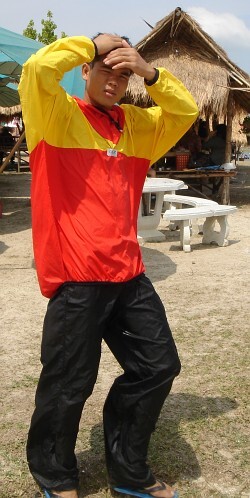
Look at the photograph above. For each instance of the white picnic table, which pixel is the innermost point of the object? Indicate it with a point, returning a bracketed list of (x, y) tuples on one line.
[(149, 216)]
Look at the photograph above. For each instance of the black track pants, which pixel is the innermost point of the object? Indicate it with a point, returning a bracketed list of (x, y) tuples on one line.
[(131, 319)]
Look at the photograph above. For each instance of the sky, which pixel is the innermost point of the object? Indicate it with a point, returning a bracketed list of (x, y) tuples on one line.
[(228, 23)]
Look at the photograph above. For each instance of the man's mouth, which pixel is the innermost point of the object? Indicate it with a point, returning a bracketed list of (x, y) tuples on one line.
[(109, 93)]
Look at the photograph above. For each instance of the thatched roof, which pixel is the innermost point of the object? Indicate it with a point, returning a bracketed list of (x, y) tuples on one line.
[(178, 43), (7, 113)]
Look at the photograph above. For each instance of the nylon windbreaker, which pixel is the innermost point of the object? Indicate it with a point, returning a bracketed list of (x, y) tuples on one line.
[(87, 176)]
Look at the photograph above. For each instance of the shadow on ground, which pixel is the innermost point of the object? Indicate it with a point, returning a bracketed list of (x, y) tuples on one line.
[(15, 199), (16, 216), (158, 265), (171, 456)]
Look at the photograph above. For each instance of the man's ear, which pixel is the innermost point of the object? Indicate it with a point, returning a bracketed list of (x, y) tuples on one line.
[(85, 71)]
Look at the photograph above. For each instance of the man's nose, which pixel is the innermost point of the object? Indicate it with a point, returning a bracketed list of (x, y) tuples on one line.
[(113, 80)]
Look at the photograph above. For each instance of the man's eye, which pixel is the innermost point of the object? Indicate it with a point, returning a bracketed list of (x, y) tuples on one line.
[(125, 76)]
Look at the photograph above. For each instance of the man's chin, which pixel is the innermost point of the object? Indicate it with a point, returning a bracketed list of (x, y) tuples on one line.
[(103, 101), (107, 103), (110, 99)]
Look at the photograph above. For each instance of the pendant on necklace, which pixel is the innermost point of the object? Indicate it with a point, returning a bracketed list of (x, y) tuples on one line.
[(112, 153)]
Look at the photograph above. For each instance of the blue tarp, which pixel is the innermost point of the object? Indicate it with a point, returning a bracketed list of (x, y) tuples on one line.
[(15, 49)]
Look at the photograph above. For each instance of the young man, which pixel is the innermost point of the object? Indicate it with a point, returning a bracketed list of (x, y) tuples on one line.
[(89, 159)]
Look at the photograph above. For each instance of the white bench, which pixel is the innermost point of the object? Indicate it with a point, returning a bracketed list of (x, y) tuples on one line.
[(175, 201), (212, 213)]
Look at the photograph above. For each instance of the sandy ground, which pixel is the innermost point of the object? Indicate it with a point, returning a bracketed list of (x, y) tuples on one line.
[(206, 294)]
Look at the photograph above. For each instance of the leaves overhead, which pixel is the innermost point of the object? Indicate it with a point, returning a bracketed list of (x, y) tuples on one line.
[(47, 34)]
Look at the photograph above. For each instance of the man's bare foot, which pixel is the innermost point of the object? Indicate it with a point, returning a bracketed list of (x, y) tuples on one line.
[(161, 490), (66, 494)]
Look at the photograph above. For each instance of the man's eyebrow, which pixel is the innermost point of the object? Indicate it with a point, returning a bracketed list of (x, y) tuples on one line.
[(125, 72)]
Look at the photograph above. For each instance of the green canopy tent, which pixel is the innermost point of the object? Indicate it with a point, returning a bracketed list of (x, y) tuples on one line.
[(9, 96), (9, 67), (15, 49)]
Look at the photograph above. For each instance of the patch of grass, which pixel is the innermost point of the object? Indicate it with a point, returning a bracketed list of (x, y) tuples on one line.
[(26, 381)]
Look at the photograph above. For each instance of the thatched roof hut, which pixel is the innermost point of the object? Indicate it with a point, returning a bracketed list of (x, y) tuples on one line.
[(178, 43), (8, 113)]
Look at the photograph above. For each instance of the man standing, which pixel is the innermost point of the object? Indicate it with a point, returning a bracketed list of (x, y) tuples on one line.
[(89, 159)]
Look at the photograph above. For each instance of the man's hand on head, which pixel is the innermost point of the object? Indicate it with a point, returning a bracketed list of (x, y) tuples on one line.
[(128, 58), (120, 55), (107, 42)]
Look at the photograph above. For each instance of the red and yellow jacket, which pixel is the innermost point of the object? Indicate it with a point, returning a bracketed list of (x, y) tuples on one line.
[(87, 177)]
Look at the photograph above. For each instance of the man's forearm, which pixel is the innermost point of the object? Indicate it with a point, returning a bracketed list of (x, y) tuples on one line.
[(172, 96), (50, 63)]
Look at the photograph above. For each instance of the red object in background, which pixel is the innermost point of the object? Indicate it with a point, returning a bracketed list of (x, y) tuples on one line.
[(181, 161)]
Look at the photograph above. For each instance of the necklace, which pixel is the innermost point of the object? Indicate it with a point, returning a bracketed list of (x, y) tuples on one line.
[(112, 120)]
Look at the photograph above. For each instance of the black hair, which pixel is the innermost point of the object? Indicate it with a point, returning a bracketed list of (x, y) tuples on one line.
[(123, 37)]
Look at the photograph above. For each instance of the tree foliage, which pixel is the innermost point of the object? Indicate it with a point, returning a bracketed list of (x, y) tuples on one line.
[(47, 34), (48, 30), (30, 31)]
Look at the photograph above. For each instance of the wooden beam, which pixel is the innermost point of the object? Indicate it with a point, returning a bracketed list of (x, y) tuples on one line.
[(235, 88), (230, 114), (12, 152)]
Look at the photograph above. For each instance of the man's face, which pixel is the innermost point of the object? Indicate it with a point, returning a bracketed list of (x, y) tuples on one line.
[(104, 86)]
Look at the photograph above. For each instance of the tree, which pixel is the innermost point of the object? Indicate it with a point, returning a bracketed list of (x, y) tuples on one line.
[(48, 30), (30, 31), (47, 34)]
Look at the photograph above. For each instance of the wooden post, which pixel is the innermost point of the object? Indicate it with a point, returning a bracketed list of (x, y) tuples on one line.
[(225, 191), (225, 187), (230, 114), (12, 152)]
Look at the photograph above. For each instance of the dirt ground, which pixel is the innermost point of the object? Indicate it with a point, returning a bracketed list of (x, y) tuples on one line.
[(201, 441)]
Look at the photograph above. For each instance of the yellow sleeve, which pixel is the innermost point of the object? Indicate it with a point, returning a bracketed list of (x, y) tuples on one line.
[(43, 100), (159, 128)]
